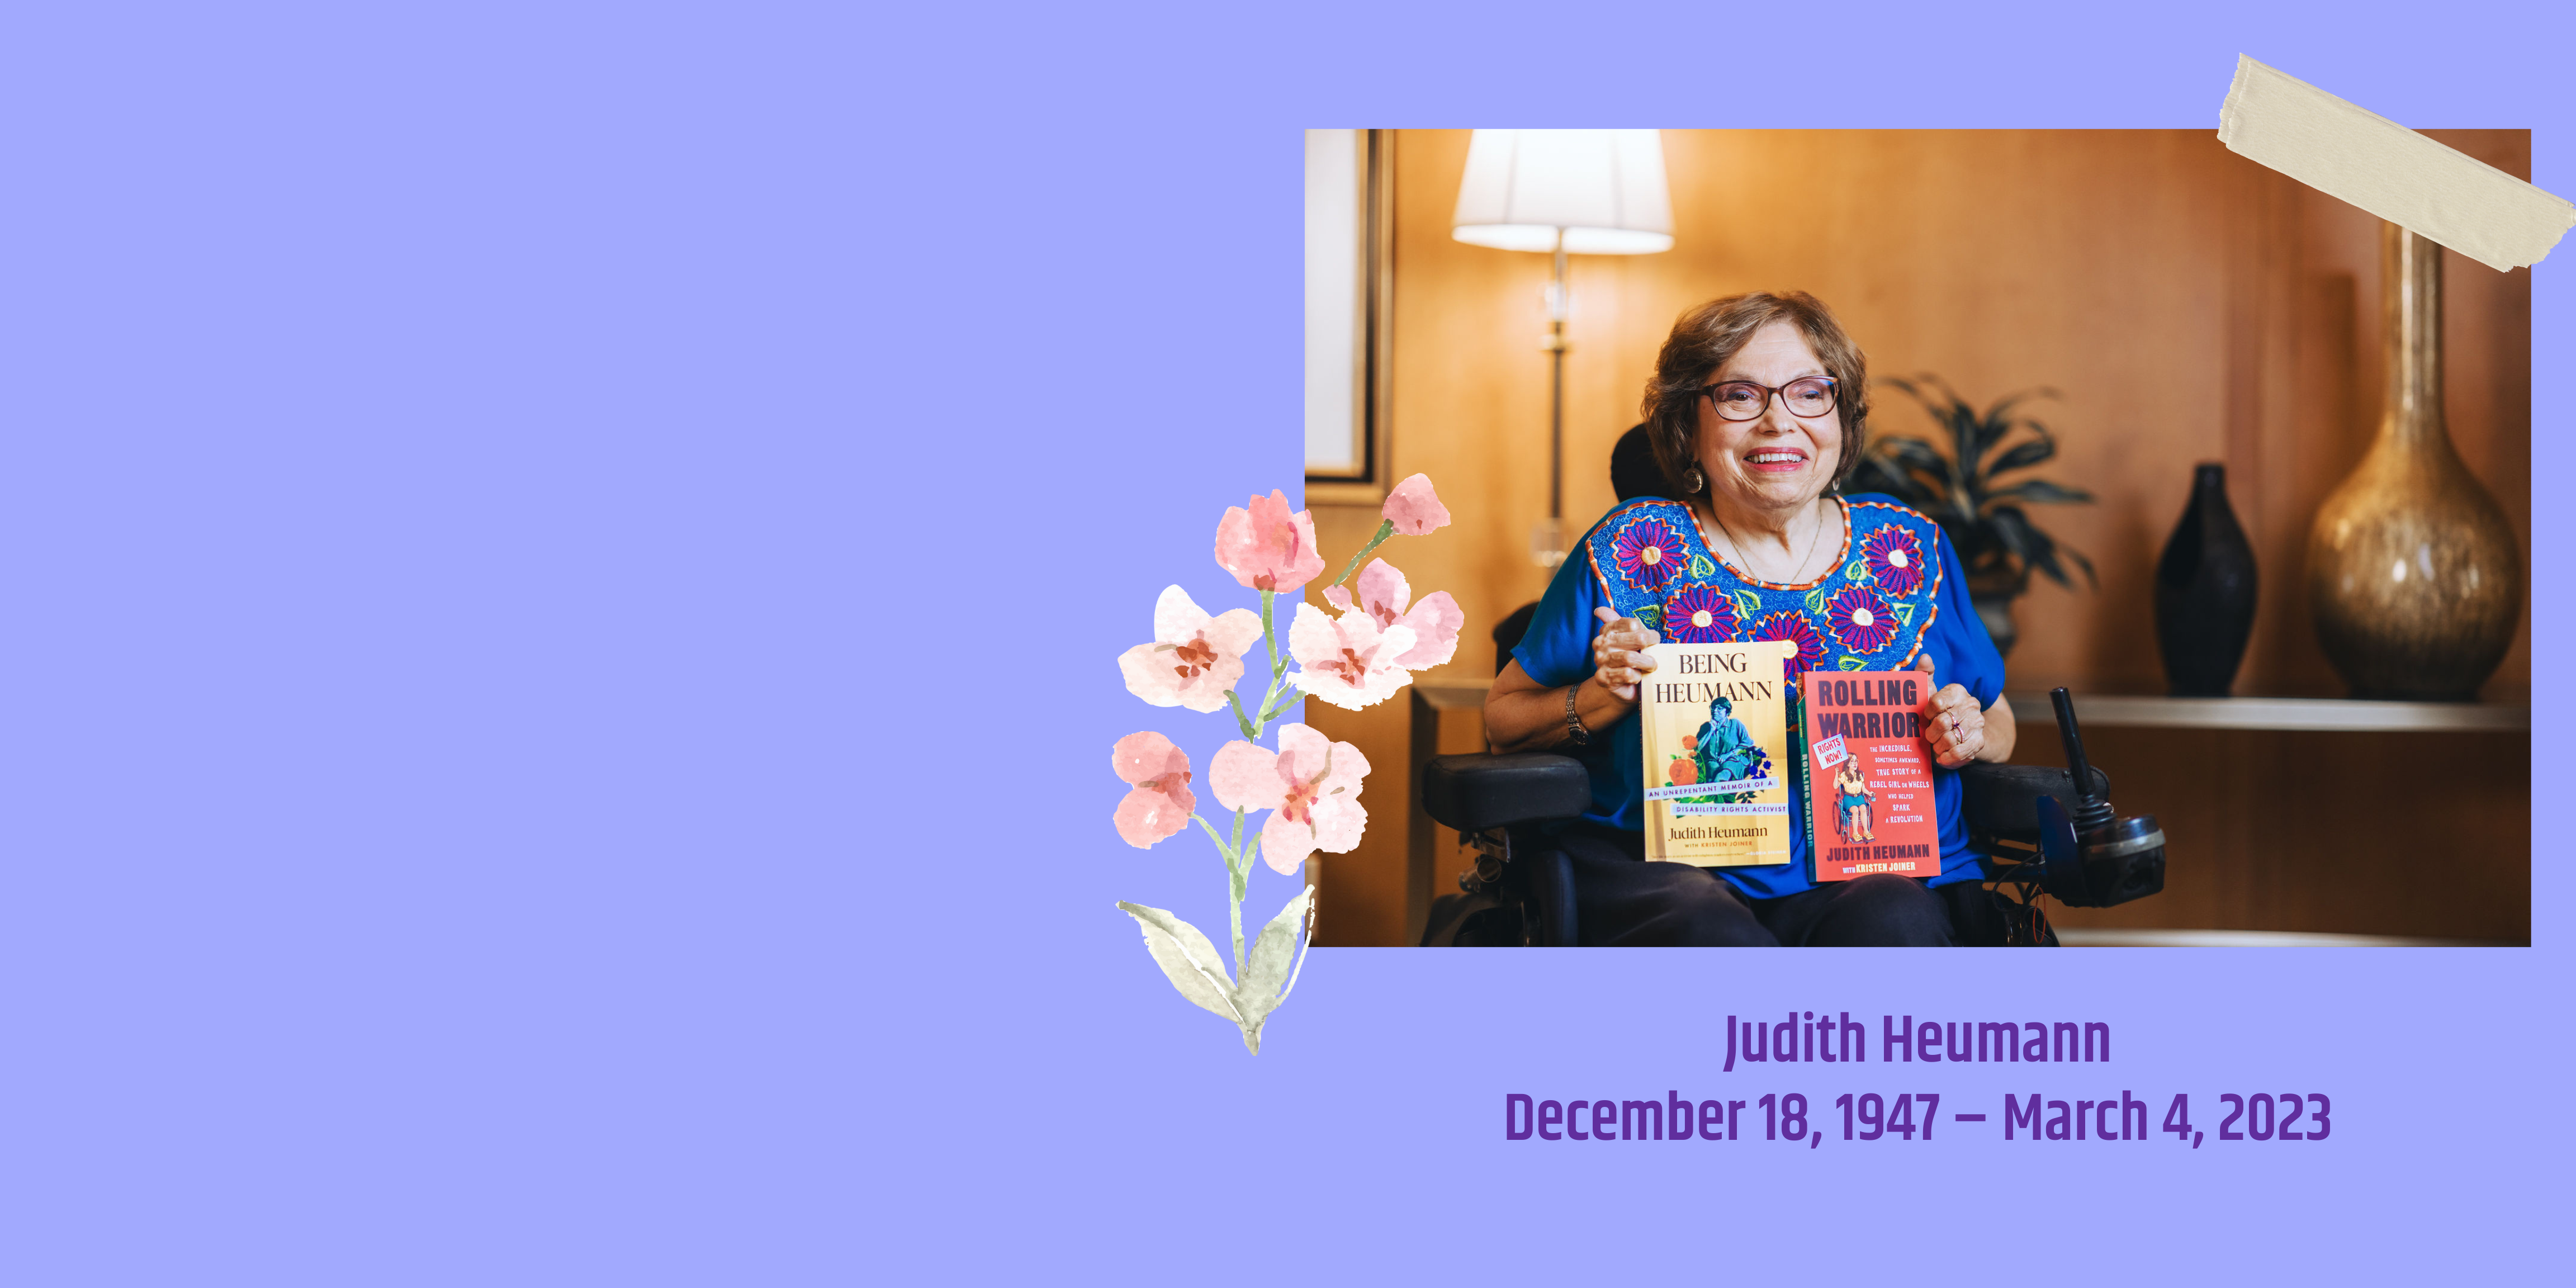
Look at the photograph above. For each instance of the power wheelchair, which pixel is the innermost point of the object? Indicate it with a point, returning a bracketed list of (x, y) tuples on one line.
[(2036, 830)]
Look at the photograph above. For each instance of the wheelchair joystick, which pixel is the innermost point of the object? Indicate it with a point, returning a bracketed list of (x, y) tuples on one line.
[(2091, 811), (2092, 857)]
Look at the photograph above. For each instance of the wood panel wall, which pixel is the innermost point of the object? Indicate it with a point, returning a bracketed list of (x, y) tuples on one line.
[(2189, 304)]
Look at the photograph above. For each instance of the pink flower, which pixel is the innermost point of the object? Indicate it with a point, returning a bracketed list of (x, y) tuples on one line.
[(1194, 659), (1311, 787), (1161, 803), (1383, 596), (1266, 547), (1348, 661), (1414, 508)]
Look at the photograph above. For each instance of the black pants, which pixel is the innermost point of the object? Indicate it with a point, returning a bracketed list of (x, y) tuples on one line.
[(1622, 900)]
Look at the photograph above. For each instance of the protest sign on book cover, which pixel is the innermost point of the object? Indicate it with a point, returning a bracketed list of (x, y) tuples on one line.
[(1869, 798), (1716, 737)]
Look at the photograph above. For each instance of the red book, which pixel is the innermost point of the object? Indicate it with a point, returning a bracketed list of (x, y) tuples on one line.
[(1869, 775)]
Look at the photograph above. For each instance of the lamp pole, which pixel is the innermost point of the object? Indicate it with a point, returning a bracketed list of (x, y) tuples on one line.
[(1547, 543), (1556, 388)]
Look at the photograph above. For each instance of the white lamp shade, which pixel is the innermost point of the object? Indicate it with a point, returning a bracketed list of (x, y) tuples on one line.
[(1602, 191)]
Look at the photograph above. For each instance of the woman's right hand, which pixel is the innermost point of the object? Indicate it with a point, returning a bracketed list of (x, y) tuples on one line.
[(1619, 653)]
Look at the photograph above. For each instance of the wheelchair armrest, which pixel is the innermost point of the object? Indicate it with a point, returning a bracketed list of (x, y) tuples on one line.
[(2003, 800), (1476, 792)]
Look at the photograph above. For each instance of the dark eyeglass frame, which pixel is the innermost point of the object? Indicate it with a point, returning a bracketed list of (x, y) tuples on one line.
[(1833, 395)]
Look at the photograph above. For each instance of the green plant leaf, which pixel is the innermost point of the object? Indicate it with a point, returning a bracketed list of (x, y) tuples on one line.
[(1266, 969), (2083, 563), (1187, 959), (2042, 491), (2023, 455)]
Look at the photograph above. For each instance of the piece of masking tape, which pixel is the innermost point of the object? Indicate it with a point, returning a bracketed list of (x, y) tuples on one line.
[(2409, 180)]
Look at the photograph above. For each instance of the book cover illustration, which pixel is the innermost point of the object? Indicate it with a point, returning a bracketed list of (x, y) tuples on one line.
[(1716, 738), (1870, 804)]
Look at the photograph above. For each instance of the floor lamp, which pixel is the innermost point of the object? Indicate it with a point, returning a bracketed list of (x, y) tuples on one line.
[(1563, 192)]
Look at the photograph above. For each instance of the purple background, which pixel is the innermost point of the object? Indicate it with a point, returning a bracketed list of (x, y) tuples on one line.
[(500, 512)]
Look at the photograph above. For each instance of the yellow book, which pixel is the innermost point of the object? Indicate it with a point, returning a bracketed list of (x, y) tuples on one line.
[(1716, 735)]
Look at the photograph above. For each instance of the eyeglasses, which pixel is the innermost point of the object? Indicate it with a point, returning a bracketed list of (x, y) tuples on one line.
[(1745, 400)]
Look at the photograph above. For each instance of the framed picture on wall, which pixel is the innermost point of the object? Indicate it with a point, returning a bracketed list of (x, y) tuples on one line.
[(1350, 197)]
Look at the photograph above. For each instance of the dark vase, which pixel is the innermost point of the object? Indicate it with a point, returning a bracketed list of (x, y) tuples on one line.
[(2205, 592)]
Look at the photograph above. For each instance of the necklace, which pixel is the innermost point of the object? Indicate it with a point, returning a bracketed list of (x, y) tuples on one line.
[(1735, 547)]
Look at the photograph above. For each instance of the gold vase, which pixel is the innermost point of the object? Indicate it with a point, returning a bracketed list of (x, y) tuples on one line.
[(2413, 573)]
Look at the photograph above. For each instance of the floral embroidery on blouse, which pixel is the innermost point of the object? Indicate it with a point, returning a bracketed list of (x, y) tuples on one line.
[(1700, 615), (1797, 629), (1648, 552), (1895, 561), (1869, 612), (1862, 622)]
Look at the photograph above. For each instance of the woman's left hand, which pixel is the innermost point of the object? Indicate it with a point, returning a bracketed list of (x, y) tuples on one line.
[(1953, 723)]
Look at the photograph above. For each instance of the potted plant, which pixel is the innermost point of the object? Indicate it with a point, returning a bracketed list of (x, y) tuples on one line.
[(1960, 489)]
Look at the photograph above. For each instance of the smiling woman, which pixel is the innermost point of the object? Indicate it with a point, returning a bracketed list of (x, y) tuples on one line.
[(1757, 411)]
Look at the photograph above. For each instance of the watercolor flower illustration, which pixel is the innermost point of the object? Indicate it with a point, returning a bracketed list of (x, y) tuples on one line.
[(1384, 595), (1860, 619), (1358, 655), (1266, 547), (1700, 615), (1311, 787), (1195, 659), (1649, 553), (1895, 560), (1348, 660), (1799, 629), (1160, 804), (1414, 508)]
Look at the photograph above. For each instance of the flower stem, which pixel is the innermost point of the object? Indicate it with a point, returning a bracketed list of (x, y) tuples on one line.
[(1236, 870), (1213, 835), (1385, 529), (1269, 634), (1250, 733), (1286, 700)]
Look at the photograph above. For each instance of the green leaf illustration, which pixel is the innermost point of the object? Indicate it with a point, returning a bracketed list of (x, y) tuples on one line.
[(1701, 567), (1905, 613), (1651, 616), (1267, 969), (1853, 664), (1858, 571), (1187, 959), (1816, 600), (1748, 604)]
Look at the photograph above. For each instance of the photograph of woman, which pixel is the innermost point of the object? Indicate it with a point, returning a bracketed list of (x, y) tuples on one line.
[(1852, 792), (1757, 411), (1726, 751)]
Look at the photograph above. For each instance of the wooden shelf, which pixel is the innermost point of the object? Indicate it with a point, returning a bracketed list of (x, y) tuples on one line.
[(2320, 715), (2118, 937), (1452, 697)]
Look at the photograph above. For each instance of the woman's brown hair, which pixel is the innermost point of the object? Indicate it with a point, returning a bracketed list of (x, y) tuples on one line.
[(1702, 341)]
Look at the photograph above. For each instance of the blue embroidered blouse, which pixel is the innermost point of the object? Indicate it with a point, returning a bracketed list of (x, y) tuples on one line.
[(1895, 592)]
